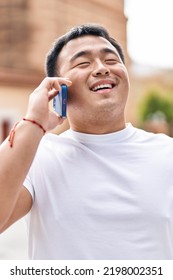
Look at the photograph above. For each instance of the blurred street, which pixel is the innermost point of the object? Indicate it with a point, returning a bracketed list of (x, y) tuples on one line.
[(13, 242)]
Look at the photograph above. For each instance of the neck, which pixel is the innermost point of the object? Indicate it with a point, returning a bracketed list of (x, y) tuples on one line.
[(95, 127)]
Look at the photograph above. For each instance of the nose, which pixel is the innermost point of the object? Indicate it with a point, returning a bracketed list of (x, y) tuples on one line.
[(101, 70)]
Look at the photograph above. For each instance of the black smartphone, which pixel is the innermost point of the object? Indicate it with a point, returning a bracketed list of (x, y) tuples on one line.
[(60, 102)]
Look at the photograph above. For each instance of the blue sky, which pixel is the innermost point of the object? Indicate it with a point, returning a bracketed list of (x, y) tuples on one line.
[(150, 32)]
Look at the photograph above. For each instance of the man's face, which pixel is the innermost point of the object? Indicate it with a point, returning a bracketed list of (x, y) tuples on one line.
[(99, 78)]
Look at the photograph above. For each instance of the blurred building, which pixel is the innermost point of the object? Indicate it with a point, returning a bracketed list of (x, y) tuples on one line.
[(27, 30)]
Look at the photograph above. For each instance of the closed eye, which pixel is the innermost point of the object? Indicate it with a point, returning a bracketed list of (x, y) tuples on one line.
[(84, 63), (111, 61)]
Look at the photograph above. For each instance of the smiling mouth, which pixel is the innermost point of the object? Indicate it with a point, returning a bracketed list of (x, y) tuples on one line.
[(102, 87)]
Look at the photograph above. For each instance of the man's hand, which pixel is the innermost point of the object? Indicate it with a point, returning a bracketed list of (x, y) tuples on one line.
[(38, 107)]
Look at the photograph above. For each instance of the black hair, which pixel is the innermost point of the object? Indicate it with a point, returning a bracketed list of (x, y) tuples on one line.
[(75, 32)]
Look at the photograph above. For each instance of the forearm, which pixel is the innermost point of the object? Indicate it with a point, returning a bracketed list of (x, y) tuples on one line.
[(15, 163)]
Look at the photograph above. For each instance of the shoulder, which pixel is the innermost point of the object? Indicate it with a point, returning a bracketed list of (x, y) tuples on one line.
[(153, 142), (150, 136)]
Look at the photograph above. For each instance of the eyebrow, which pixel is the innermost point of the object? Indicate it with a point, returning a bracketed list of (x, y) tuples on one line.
[(86, 53)]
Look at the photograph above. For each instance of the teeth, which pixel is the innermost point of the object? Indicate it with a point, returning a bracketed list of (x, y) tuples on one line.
[(102, 87)]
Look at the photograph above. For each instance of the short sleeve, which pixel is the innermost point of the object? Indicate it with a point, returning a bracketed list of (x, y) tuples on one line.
[(29, 186)]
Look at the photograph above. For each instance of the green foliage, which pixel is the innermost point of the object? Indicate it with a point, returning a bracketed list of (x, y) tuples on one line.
[(157, 106)]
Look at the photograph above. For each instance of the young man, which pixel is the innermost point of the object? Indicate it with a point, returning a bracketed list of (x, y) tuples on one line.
[(101, 190)]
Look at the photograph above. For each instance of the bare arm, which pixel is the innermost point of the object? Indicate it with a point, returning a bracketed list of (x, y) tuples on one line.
[(22, 207), (16, 161)]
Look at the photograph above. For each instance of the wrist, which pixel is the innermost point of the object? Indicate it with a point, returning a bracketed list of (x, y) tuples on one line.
[(13, 131), (36, 123)]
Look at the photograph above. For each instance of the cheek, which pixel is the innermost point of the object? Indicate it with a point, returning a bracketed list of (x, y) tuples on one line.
[(121, 71), (73, 92), (78, 87), (125, 78)]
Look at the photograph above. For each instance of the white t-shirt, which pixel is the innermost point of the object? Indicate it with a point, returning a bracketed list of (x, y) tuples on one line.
[(102, 196)]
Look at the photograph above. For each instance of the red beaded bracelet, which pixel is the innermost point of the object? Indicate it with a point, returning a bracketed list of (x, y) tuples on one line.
[(12, 132)]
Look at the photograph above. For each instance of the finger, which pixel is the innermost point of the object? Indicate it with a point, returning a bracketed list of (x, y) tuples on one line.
[(52, 94), (55, 119), (54, 83)]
